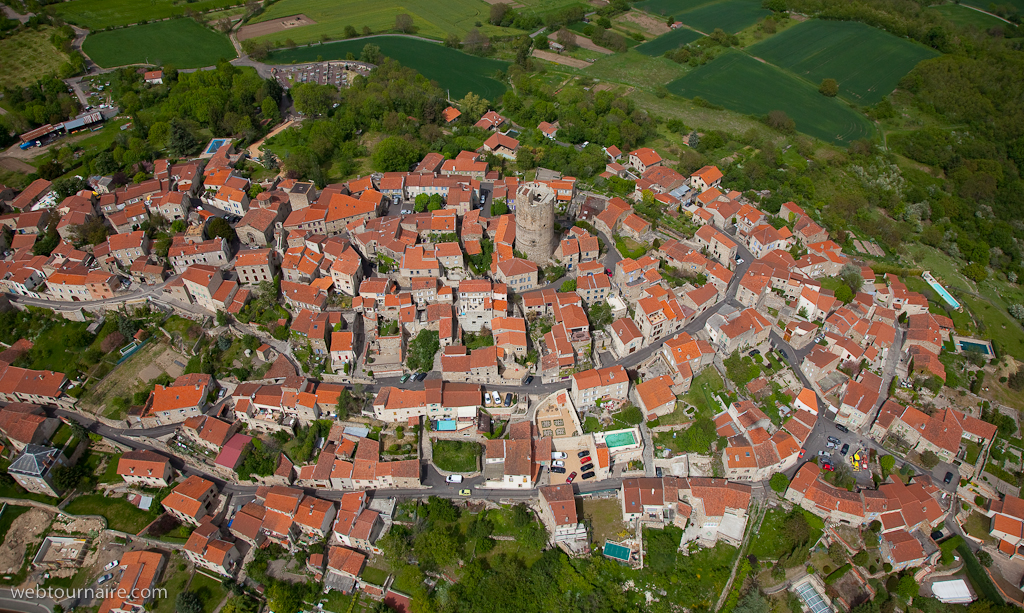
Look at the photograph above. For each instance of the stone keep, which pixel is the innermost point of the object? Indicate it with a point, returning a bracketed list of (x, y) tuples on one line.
[(535, 221)]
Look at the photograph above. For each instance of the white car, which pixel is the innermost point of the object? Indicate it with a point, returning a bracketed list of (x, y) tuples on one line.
[(825, 454), (110, 565), (453, 478), (558, 463), (497, 398), (487, 399), (559, 455)]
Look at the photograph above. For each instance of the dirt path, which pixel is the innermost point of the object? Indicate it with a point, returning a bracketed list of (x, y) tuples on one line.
[(653, 26), (254, 149), (558, 59), (23, 531)]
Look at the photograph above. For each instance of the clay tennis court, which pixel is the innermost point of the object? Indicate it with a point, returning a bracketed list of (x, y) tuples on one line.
[(274, 25)]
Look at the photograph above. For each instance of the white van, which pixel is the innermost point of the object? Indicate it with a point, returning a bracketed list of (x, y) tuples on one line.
[(453, 479)]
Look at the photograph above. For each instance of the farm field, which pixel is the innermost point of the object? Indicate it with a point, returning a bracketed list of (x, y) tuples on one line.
[(964, 16), (668, 42), (453, 70), (867, 62), (181, 43), (671, 7), (431, 19), (28, 56), (99, 14), (982, 4), (742, 84), (730, 15)]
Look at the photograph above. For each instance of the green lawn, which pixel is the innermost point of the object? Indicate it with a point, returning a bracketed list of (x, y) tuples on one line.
[(964, 16), (99, 14), (181, 43), (110, 473), (668, 42), (61, 436), (770, 542), (999, 327), (701, 395), (28, 56), (740, 83), (453, 70), (867, 62), (637, 69), (671, 7), (51, 351), (729, 15), (210, 590), (983, 4), (175, 578), (375, 576), (456, 456), (430, 19), (121, 514)]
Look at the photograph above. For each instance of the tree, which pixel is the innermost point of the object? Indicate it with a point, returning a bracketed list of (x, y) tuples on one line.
[(182, 142), (403, 22), (421, 202), (498, 207), (631, 415), (779, 483), (422, 350), (68, 186), (189, 602), (395, 154), (350, 32), (475, 42), (371, 53), (671, 19), (567, 38), (473, 106), (452, 41), (436, 202), (829, 88), (888, 465), (976, 271), (220, 228), (600, 315), (929, 459), (752, 602), (780, 121), (844, 294), (269, 109), (525, 160), (178, 225), (907, 587), (67, 477), (568, 286), (498, 12), (985, 558), (837, 553)]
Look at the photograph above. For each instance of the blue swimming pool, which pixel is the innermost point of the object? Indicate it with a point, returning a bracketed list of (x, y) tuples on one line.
[(216, 144), (950, 300), (619, 439), (979, 347)]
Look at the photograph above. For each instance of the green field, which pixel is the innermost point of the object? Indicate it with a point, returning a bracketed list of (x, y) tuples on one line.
[(670, 7), (456, 456), (28, 56), (730, 15), (742, 84), (984, 4), (99, 14), (431, 19), (668, 42), (867, 62), (181, 43), (453, 70), (964, 16)]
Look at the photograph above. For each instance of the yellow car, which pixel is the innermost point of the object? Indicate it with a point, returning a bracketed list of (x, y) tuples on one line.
[(465, 492)]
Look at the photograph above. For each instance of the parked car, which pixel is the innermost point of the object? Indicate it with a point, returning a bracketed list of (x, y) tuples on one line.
[(583, 454), (487, 400), (105, 578), (497, 398), (465, 492), (828, 467), (833, 439), (110, 565), (588, 475), (453, 478), (842, 428), (571, 476), (529, 380), (845, 449), (585, 459), (404, 378), (559, 455), (947, 478), (824, 454), (558, 469), (754, 352), (558, 463), (657, 472), (936, 535), (586, 467), (802, 452), (508, 399), (830, 445)]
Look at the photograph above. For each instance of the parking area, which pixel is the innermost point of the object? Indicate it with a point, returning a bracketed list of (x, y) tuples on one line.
[(818, 441), (338, 74), (573, 463)]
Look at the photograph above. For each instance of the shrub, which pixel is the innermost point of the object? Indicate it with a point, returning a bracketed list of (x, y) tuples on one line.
[(112, 342), (979, 500), (887, 567), (838, 574)]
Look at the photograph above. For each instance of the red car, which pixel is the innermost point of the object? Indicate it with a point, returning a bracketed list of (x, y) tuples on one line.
[(571, 476), (802, 452), (828, 467), (585, 459)]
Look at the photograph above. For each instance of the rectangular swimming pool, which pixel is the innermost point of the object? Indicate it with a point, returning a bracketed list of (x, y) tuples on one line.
[(980, 348), (950, 300), (620, 439), (216, 144), (616, 551)]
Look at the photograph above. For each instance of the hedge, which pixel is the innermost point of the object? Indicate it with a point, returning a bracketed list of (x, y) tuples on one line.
[(979, 578), (837, 574)]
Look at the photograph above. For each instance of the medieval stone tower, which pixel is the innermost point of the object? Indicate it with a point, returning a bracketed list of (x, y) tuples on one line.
[(535, 221)]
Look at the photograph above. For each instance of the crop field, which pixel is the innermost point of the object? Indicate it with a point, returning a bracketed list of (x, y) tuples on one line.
[(670, 7), (984, 4), (964, 16), (181, 43), (28, 56), (742, 84), (453, 70), (99, 14), (730, 15), (668, 42), (429, 18), (867, 62)]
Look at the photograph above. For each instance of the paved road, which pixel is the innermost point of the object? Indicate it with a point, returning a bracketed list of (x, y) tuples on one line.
[(24, 605), (151, 292)]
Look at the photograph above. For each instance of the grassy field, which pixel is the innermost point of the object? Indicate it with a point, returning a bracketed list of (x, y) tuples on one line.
[(668, 42), (605, 515), (633, 68), (175, 577), (453, 70), (28, 56), (964, 16), (770, 542), (431, 19), (983, 4), (99, 14), (670, 7), (867, 62), (456, 456), (210, 590), (181, 43), (121, 514), (742, 84), (729, 15)]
